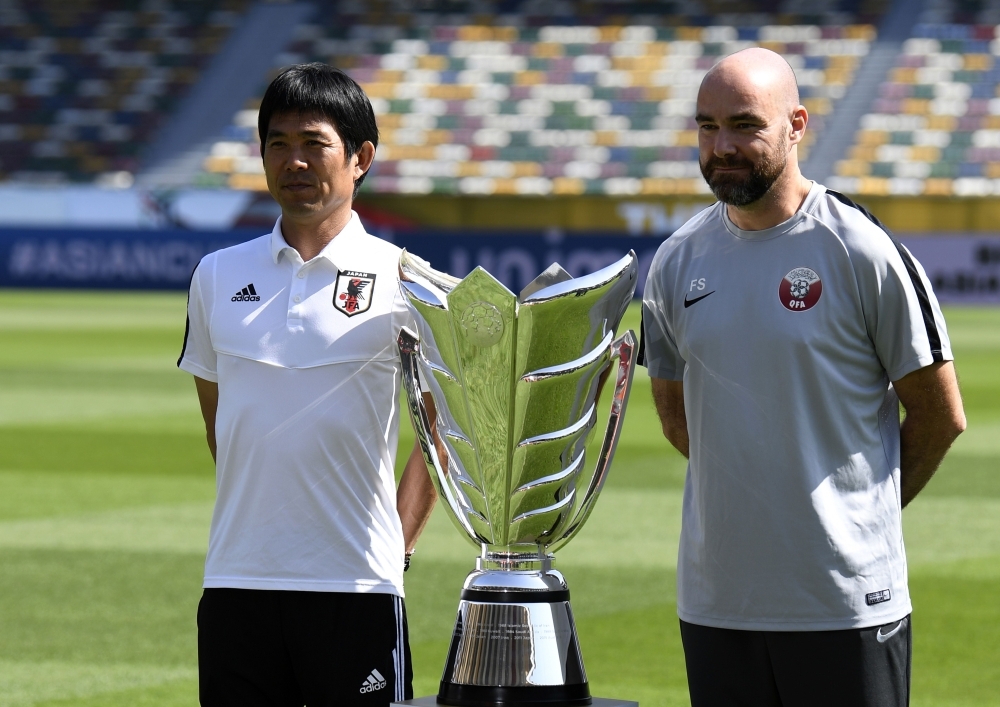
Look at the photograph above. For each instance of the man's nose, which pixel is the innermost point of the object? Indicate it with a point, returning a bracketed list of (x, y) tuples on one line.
[(296, 160), (724, 144)]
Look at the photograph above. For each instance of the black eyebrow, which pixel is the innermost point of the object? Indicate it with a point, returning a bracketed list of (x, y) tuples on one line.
[(702, 118), (305, 133), (745, 116)]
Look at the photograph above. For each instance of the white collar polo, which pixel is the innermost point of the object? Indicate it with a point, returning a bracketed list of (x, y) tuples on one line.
[(332, 308), (309, 381)]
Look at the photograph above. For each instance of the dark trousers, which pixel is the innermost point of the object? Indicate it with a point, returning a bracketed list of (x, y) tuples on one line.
[(868, 667), (260, 648)]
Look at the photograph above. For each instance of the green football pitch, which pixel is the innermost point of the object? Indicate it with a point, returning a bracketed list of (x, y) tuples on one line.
[(106, 491)]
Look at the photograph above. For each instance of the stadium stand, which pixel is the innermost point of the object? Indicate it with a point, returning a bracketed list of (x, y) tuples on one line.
[(85, 84), (499, 96), (935, 129), (549, 102)]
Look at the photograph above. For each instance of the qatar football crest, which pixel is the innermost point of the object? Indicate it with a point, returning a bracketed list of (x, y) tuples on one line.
[(800, 289), (353, 292)]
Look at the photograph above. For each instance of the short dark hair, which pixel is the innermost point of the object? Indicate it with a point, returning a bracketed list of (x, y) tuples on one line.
[(322, 90)]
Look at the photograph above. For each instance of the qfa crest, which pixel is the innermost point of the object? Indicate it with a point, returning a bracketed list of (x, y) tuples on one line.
[(800, 289), (353, 292)]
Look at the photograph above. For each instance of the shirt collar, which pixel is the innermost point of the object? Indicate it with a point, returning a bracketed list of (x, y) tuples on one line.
[(339, 246), (814, 192)]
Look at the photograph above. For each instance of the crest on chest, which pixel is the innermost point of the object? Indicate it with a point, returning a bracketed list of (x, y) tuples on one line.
[(800, 289), (353, 292)]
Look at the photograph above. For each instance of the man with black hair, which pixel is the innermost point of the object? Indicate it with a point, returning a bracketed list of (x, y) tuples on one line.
[(783, 327), (291, 338)]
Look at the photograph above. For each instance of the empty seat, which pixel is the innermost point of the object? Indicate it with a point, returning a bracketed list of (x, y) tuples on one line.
[(452, 95), (87, 84), (936, 122)]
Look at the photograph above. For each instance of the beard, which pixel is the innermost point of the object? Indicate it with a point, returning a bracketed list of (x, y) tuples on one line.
[(739, 190)]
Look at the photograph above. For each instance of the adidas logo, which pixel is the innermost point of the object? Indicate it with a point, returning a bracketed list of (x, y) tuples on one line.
[(247, 294), (373, 682)]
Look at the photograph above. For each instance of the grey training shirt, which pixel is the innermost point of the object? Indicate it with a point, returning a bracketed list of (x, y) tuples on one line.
[(786, 340)]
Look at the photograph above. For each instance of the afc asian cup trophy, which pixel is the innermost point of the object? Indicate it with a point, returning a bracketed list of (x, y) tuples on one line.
[(515, 382)]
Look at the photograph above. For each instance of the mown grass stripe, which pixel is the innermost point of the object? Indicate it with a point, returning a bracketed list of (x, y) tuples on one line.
[(24, 683), (106, 490)]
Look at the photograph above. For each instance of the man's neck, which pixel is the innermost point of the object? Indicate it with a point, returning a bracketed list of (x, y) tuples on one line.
[(774, 208), (309, 235)]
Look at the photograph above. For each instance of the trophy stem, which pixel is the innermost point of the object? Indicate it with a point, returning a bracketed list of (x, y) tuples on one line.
[(510, 560)]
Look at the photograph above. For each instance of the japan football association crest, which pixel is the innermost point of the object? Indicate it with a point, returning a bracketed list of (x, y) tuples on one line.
[(800, 289), (353, 293)]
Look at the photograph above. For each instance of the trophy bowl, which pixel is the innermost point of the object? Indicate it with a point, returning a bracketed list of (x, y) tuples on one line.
[(514, 381)]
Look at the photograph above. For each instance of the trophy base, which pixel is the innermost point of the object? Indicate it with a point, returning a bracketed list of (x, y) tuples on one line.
[(433, 702), (490, 696), (514, 642)]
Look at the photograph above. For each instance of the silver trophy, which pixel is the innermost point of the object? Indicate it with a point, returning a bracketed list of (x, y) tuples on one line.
[(515, 383)]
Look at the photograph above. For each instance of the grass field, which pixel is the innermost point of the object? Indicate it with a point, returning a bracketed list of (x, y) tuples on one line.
[(106, 490)]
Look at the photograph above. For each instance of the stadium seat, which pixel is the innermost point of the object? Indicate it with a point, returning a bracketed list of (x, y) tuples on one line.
[(935, 127), (477, 97), (531, 107), (83, 86)]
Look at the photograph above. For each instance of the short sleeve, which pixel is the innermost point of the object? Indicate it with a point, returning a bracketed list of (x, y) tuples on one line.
[(904, 317), (660, 354), (198, 356)]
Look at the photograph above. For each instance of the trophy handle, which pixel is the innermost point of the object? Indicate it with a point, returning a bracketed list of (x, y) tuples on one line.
[(625, 350), (409, 351)]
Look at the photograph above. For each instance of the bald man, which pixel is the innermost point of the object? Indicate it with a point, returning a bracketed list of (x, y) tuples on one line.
[(782, 328)]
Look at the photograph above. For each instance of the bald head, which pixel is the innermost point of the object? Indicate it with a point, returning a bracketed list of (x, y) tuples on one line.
[(758, 72)]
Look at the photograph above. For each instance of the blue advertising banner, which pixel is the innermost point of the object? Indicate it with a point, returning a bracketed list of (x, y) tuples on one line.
[(111, 259), (516, 260), (961, 268), (164, 260)]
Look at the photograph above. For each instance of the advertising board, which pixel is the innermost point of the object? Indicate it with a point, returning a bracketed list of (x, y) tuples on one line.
[(962, 268)]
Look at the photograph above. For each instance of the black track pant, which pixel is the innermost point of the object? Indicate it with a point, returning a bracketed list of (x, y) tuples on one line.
[(868, 667), (260, 648)]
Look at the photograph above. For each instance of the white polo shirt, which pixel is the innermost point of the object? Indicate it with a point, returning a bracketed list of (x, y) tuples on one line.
[(309, 380)]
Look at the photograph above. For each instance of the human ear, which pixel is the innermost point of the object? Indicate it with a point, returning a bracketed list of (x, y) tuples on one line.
[(365, 157), (799, 120)]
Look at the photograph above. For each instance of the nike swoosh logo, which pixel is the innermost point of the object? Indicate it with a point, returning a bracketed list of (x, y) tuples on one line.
[(883, 637), (689, 302)]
